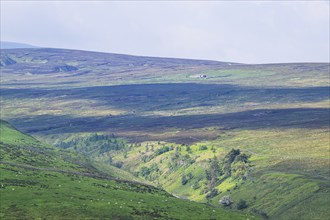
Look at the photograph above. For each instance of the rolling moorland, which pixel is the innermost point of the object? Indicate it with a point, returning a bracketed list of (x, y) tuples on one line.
[(201, 130)]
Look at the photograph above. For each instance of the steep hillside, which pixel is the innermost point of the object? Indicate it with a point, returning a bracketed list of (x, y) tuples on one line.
[(38, 181), (169, 121)]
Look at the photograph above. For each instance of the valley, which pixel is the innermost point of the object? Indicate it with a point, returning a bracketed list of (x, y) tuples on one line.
[(40, 181), (169, 124)]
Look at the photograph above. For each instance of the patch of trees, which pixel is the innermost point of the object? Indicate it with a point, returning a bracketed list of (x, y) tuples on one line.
[(177, 160), (213, 173), (235, 164), (162, 150), (148, 157), (150, 173), (95, 144)]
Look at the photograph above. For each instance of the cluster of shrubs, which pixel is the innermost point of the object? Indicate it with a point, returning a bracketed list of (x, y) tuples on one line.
[(162, 150), (150, 173)]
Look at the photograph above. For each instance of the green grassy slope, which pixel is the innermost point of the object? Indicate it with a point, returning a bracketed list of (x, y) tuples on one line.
[(289, 170), (29, 189)]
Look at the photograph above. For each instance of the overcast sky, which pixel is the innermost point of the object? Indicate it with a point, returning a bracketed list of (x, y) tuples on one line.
[(240, 31)]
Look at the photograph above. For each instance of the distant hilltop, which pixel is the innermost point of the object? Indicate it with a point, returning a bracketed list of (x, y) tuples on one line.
[(14, 45)]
